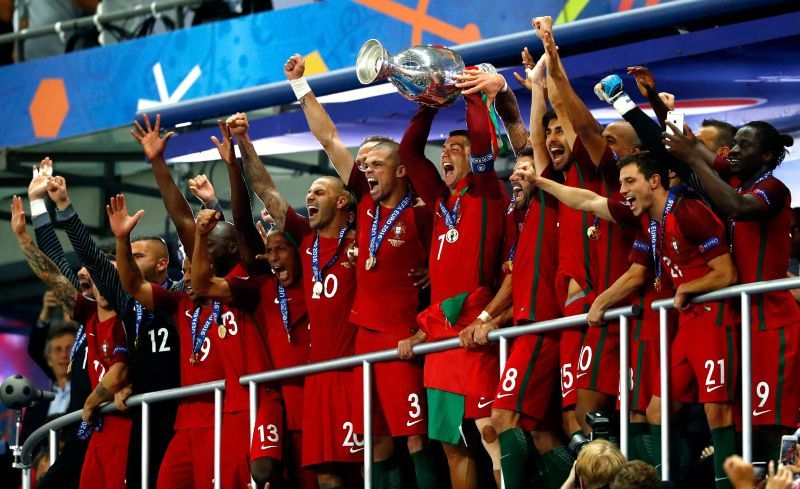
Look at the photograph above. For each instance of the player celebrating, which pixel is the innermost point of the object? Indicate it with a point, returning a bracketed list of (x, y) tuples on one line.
[(683, 239)]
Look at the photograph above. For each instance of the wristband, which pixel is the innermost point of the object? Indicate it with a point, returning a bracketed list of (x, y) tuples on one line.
[(485, 316), (624, 104), (300, 87), (38, 208)]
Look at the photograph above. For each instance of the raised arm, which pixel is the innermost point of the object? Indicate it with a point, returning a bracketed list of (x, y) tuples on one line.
[(575, 198), (177, 207), (104, 273), (130, 276), (423, 173), (320, 123), (201, 187), (482, 155), (646, 83), (44, 231), (41, 266), (537, 83), (558, 100), (204, 283)]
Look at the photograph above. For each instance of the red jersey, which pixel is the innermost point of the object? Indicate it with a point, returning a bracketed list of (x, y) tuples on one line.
[(332, 333), (195, 411), (761, 250), (106, 345), (386, 298), (574, 247), (533, 277), (692, 236)]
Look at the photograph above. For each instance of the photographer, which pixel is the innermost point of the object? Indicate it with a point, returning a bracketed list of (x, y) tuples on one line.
[(596, 466)]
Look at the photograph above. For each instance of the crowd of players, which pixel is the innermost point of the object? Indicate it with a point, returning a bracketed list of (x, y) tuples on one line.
[(398, 251)]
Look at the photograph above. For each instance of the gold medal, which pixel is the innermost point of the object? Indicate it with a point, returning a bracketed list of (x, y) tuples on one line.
[(289, 337), (657, 284), (69, 367), (137, 343), (508, 266), (221, 331), (193, 360), (370, 262), (592, 232), (451, 236), (316, 292)]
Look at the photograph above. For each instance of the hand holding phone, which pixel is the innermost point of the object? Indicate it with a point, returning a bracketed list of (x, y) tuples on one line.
[(676, 119)]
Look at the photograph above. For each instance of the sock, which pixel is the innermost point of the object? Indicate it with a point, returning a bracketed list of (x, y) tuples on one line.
[(636, 447), (655, 446), (386, 475), (724, 440), (423, 467), (514, 455), (558, 463)]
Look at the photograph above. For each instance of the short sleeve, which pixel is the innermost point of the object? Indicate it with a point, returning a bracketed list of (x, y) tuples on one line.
[(772, 193), (701, 228), (165, 300), (642, 250), (119, 352), (246, 291)]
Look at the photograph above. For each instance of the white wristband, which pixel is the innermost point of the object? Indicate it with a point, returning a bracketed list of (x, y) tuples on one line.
[(624, 104), (485, 316), (38, 208), (300, 87)]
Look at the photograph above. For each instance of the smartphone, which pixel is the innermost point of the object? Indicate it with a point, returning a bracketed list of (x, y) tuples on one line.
[(676, 119), (788, 450), (759, 473)]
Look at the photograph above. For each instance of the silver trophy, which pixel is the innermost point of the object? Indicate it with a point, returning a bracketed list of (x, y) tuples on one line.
[(422, 74)]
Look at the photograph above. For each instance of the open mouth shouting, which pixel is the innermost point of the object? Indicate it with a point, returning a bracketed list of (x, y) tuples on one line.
[(282, 274), (632, 203), (557, 154), (313, 211)]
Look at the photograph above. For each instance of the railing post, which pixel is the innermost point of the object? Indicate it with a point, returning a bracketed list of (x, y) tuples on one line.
[(663, 337), (747, 374), (503, 354), (624, 388), (53, 446), (26, 478), (253, 389), (367, 391), (145, 444), (217, 437)]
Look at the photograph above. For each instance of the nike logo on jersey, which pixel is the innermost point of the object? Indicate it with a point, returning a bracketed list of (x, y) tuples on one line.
[(759, 413), (500, 396), (712, 389), (369, 213), (412, 423), (308, 251), (267, 447), (565, 394), (287, 300), (482, 404), (187, 314), (356, 450)]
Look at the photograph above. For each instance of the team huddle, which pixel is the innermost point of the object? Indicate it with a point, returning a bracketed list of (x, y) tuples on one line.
[(399, 250)]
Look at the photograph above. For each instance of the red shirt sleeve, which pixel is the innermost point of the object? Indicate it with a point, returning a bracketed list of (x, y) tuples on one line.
[(580, 157), (701, 228), (119, 350), (723, 167), (621, 211), (423, 172), (357, 183), (642, 250), (482, 157), (773, 194), (166, 300), (609, 170), (297, 225), (246, 291), (83, 308)]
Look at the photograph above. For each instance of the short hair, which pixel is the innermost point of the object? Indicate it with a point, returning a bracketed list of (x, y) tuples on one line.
[(597, 464), (772, 141), (158, 239), (352, 202), (636, 475), (459, 132), (725, 132), (548, 116), (377, 138), (527, 151), (66, 328), (646, 164)]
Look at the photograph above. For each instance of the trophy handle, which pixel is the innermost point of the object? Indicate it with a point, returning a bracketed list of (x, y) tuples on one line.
[(372, 62)]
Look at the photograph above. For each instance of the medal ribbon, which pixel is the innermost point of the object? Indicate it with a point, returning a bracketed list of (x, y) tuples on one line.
[(375, 237), (513, 250), (657, 235), (201, 337), (283, 302), (79, 337), (731, 221), (450, 217), (137, 308), (315, 271)]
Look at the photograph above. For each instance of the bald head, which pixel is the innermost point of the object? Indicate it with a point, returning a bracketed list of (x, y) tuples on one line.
[(222, 247), (621, 137), (152, 257)]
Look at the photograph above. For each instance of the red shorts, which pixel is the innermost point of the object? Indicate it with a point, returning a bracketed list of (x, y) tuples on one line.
[(328, 429), (107, 455), (598, 362), (644, 380), (705, 357), (775, 364), (399, 405), (268, 435), (235, 458), (569, 350), (530, 378), (189, 461), (292, 393)]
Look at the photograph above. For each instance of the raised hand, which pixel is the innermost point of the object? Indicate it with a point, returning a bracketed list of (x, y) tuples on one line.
[(644, 79), (122, 223), (18, 217), (225, 147), (150, 139), (527, 173), (294, 67), (57, 190), (476, 81), (207, 219), (680, 143), (37, 189), (238, 125), (527, 62), (668, 99), (202, 189), (542, 24), (264, 234)]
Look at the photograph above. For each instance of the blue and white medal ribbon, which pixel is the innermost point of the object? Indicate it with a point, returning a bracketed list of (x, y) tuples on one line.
[(317, 274), (375, 237), (199, 338), (657, 238), (283, 302), (451, 220), (79, 337)]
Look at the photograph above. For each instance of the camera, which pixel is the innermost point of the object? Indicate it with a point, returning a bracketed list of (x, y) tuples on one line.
[(600, 425)]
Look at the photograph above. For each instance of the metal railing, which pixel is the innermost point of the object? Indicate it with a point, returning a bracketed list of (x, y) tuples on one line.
[(744, 291)]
